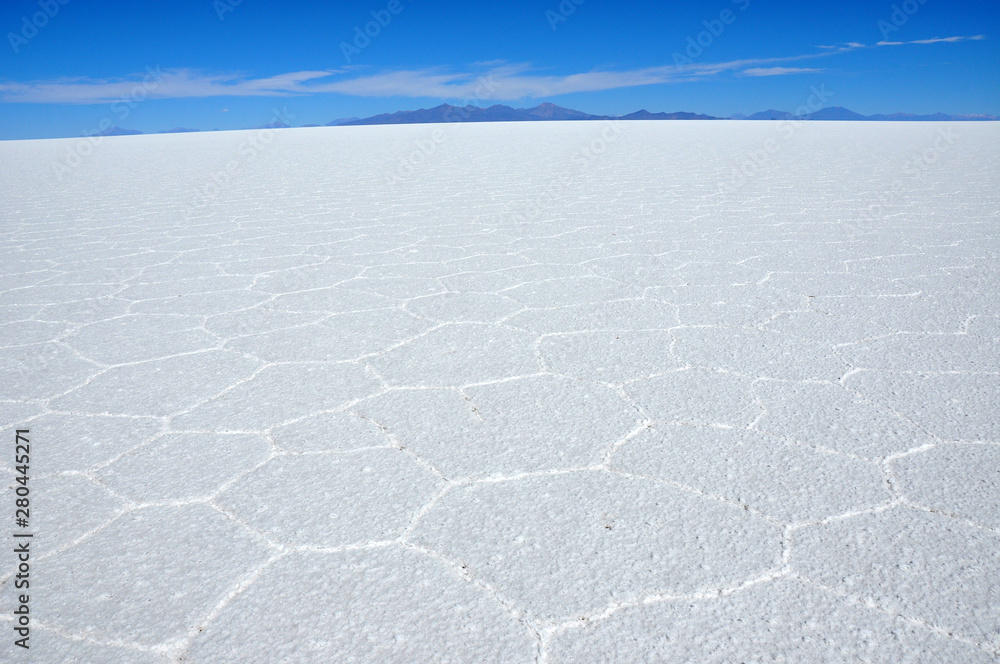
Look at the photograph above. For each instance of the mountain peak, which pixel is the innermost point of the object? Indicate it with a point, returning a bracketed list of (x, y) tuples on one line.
[(116, 131)]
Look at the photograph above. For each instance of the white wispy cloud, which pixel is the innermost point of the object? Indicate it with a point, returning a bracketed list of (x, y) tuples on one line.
[(777, 71), (850, 46), (518, 81), (933, 40), (839, 48), (154, 84), (492, 80), (496, 81)]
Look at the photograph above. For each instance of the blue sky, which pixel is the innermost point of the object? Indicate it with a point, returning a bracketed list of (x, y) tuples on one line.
[(68, 65)]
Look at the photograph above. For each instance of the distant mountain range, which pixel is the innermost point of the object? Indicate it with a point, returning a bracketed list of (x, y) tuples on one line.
[(840, 113), (501, 113), (116, 131), (547, 111), (550, 112)]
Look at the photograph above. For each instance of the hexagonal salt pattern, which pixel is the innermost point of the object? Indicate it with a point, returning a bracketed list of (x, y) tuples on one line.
[(784, 481), (329, 432), (325, 418), (332, 500), (67, 507), (184, 466), (957, 479), (955, 406), (827, 416), (566, 545), (375, 605), (612, 357), (59, 648), (281, 393), (459, 355), (43, 371), (150, 337), (149, 574), (782, 621), (81, 442), (620, 315), (341, 337), (515, 426), (158, 387), (458, 307), (755, 353), (700, 396), (924, 566)]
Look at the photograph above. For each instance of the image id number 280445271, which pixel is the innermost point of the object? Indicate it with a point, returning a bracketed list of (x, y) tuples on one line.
[(22, 539)]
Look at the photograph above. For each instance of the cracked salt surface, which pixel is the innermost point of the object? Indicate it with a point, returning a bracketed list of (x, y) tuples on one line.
[(326, 418)]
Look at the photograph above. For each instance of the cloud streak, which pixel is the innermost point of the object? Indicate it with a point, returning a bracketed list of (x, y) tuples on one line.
[(778, 71), (933, 40), (159, 84), (506, 81), (493, 80), (851, 46)]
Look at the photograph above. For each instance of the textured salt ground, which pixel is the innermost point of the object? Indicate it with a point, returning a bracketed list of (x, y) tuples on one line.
[(532, 401)]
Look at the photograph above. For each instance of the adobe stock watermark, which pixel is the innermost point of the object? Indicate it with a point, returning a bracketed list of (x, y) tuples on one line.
[(30, 26), (565, 9), (248, 149), (754, 160), (223, 7), (901, 13), (914, 168), (425, 147), (121, 108), (580, 162), (714, 28), (381, 18)]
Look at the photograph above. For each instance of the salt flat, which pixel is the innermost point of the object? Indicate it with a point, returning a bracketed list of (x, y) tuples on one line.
[(546, 392)]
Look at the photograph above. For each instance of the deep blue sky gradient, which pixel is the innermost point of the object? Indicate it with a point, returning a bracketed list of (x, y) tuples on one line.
[(88, 42)]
